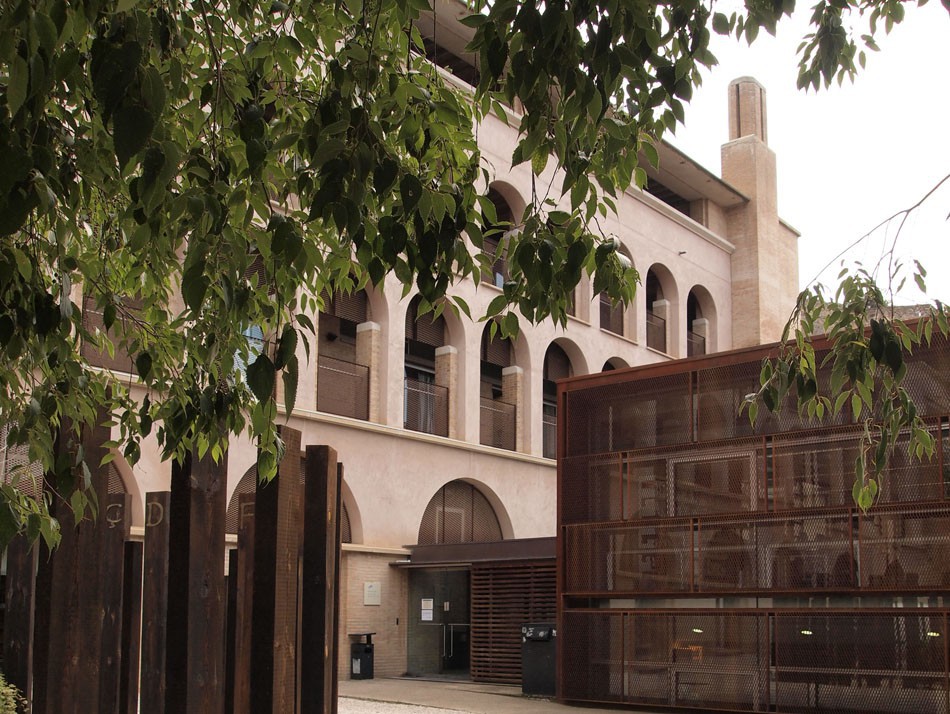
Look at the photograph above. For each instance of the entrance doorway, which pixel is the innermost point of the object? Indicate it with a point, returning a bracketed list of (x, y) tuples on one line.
[(439, 622)]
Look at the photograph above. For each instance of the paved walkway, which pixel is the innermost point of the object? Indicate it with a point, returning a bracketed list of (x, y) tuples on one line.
[(434, 697)]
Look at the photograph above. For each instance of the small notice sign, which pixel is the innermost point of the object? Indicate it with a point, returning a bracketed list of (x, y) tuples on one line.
[(372, 593), (428, 605)]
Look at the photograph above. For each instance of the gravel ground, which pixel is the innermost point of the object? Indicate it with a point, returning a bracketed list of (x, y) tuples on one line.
[(366, 706)]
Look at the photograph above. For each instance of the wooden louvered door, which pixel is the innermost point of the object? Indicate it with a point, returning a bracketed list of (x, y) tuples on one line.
[(504, 597)]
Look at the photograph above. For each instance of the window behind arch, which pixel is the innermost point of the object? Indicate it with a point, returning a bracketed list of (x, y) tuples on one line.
[(459, 513)]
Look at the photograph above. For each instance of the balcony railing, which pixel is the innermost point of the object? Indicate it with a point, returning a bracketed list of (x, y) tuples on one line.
[(342, 388), (549, 433), (498, 424), (656, 332), (695, 344), (426, 407)]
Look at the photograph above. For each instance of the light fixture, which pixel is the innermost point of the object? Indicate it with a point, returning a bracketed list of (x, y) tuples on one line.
[(807, 632), (697, 631), (933, 634)]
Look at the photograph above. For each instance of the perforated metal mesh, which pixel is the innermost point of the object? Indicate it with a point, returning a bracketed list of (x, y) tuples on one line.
[(424, 328), (655, 558), (873, 662), (928, 380), (667, 499), (16, 467), (459, 513), (817, 470), (630, 415), (426, 407), (593, 484), (861, 662), (352, 306), (696, 659), (591, 645), (497, 424), (343, 388), (92, 321), (246, 485), (495, 351), (906, 548)]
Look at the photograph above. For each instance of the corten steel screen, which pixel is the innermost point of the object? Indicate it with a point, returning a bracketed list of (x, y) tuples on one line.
[(497, 424), (708, 563), (343, 388)]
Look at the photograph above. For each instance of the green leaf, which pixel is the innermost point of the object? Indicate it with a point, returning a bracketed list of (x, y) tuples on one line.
[(384, 175), (194, 285), (410, 190), (143, 364), (17, 84), (289, 377), (720, 23), (261, 376), (286, 347), (132, 127)]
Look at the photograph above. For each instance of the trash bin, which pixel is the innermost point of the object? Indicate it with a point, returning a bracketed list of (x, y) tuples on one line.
[(361, 655), (538, 649)]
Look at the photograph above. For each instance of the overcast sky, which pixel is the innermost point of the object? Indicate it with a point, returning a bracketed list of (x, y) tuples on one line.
[(850, 156)]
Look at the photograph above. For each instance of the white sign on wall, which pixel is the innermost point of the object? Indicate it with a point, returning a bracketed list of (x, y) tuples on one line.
[(372, 594)]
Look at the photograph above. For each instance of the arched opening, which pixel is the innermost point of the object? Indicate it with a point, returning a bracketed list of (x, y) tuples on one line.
[(459, 513), (557, 365), (497, 422), (494, 232), (247, 486), (613, 316), (700, 322), (614, 363), (657, 313), (695, 339), (426, 403), (342, 381)]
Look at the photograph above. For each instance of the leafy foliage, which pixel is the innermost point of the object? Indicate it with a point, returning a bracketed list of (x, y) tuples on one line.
[(11, 701), (196, 170), (864, 364)]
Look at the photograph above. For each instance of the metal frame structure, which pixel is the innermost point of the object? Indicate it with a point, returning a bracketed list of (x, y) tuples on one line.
[(706, 563)]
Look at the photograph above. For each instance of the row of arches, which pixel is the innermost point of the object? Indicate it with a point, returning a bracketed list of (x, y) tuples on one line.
[(433, 381), (662, 299), (459, 512)]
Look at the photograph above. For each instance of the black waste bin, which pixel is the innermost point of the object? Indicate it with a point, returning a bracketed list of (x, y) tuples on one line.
[(538, 649), (361, 655)]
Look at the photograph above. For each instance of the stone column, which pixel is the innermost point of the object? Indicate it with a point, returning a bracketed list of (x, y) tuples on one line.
[(446, 375), (368, 345), (512, 391), (700, 327)]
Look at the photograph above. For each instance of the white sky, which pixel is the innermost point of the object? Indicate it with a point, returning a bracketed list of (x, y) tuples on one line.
[(850, 156)]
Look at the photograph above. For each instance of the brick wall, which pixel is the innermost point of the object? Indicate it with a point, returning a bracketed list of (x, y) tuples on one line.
[(387, 620)]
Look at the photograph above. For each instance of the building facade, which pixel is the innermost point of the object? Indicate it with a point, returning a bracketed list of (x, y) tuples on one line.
[(448, 437)]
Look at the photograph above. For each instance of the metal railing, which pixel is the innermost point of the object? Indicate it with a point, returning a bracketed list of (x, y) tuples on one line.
[(342, 388), (549, 434), (695, 344), (497, 424), (656, 332), (426, 407)]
